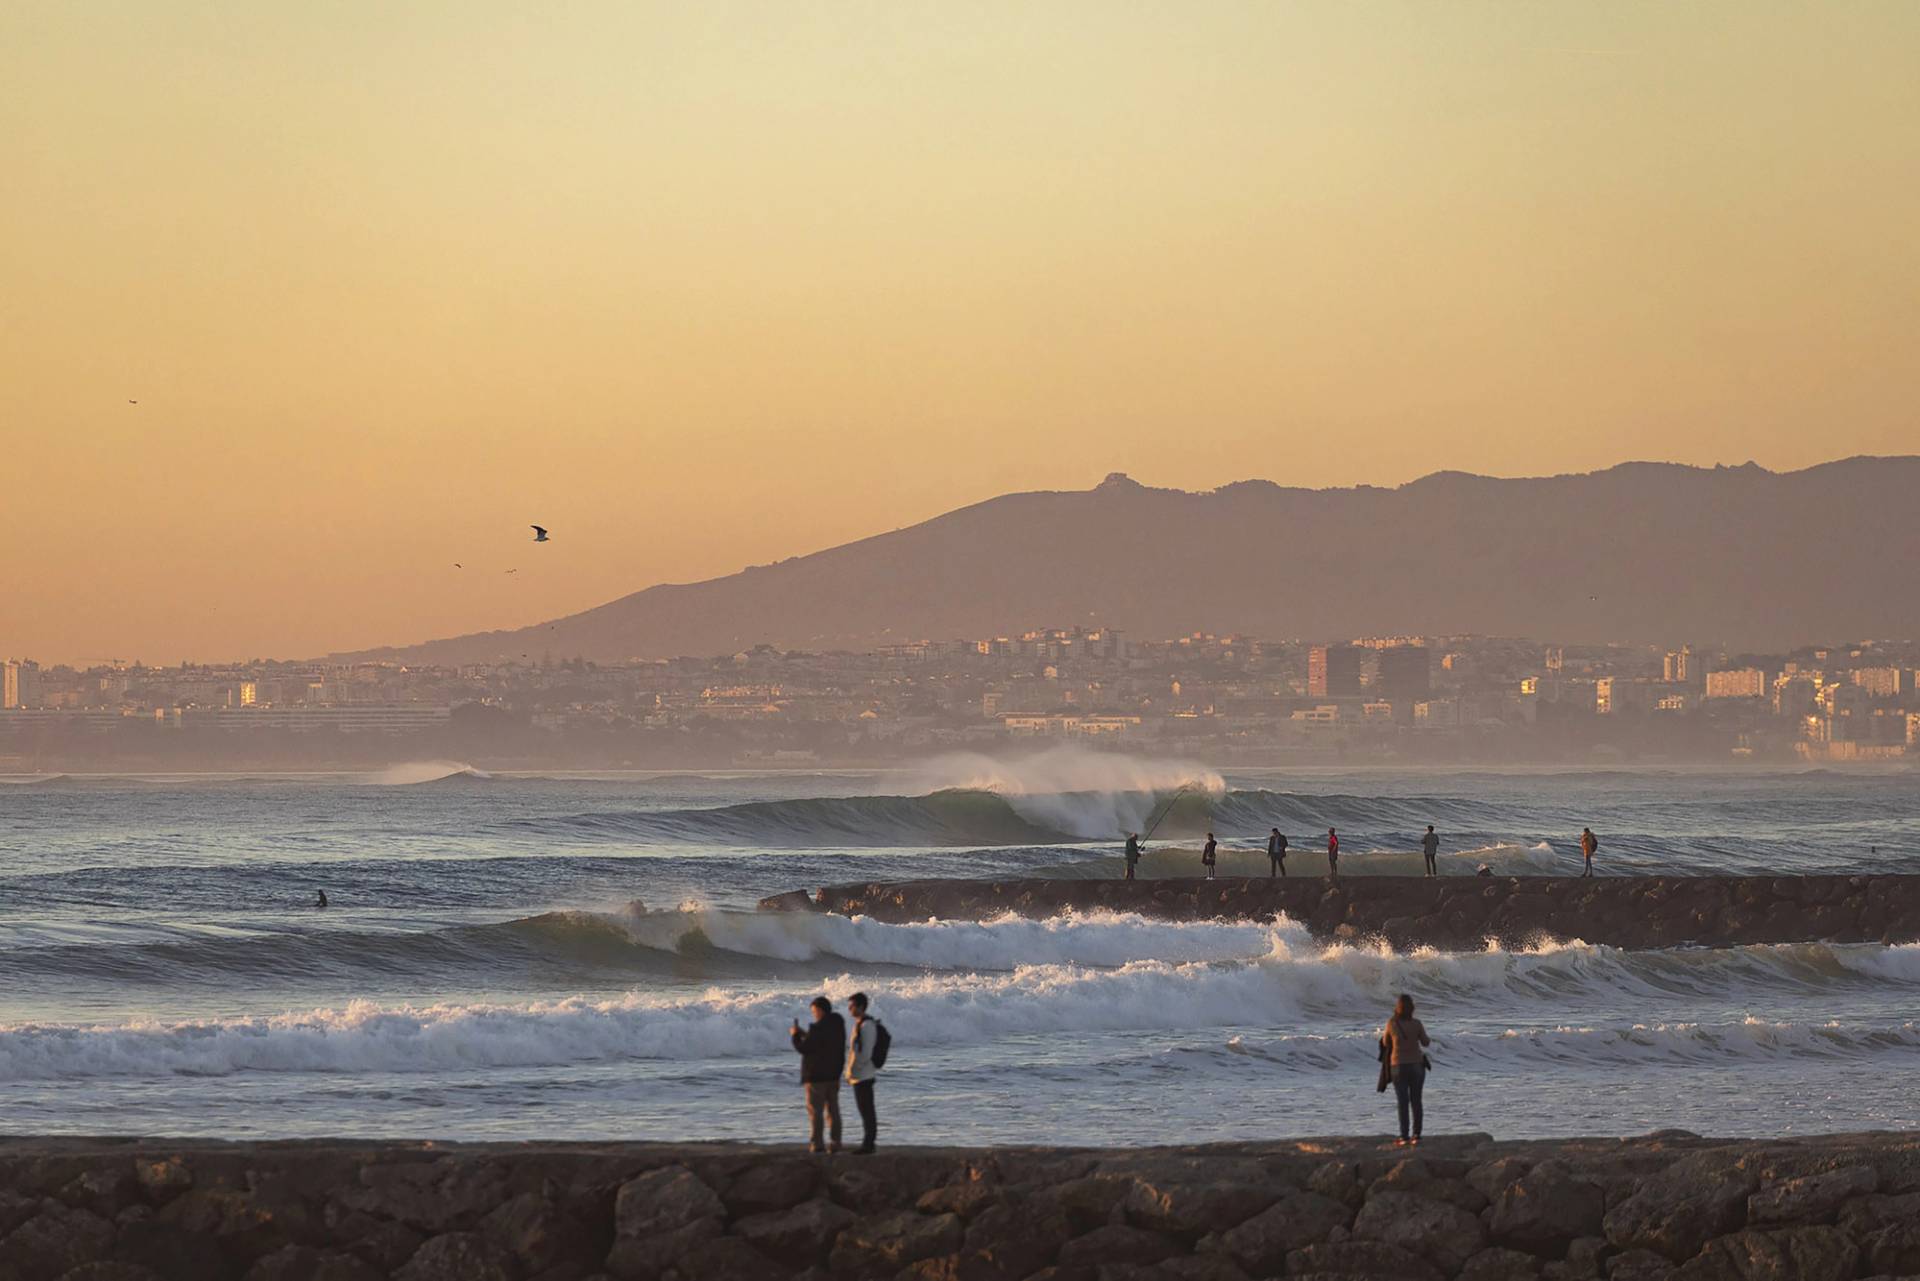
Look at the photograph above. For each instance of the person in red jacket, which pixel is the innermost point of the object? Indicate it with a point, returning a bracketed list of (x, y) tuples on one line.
[(1333, 855)]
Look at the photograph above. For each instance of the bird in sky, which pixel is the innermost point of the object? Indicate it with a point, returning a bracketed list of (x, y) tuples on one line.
[(539, 534), (513, 571), (458, 565), (133, 402)]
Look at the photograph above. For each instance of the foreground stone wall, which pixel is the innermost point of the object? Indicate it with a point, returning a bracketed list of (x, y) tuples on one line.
[(1668, 1205), (1448, 911)]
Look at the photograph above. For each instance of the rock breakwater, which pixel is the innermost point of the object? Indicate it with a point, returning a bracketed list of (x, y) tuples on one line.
[(1447, 912), (1668, 1205)]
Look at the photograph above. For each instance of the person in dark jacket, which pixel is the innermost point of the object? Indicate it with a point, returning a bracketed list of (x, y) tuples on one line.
[(1430, 846), (823, 1053), (1208, 855), (1276, 854), (1133, 853)]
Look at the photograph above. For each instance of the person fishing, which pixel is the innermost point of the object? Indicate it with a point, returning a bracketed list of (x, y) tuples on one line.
[(1588, 844), (1333, 855), (1207, 855), (1133, 853), (1276, 854)]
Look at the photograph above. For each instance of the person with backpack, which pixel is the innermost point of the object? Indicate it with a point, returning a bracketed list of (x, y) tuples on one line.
[(821, 1048), (866, 1055), (1588, 844), (1207, 855), (1276, 854), (1430, 846)]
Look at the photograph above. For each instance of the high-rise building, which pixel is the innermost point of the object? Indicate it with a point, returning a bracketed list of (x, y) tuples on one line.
[(1333, 671), (1406, 673), (1680, 668), (1743, 682), (9, 684)]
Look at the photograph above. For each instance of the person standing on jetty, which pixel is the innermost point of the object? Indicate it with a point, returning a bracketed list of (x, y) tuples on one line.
[(1430, 846), (1207, 855), (1404, 1040), (1588, 844), (1276, 854), (1333, 855), (822, 1048), (1133, 853), (862, 1071)]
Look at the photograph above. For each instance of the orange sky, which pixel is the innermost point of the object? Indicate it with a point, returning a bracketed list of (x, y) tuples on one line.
[(705, 285)]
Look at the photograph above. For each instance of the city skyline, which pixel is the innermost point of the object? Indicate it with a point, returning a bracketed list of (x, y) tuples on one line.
[(306, 305)]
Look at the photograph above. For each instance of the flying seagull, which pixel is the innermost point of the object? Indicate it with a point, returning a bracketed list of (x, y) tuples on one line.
[(513, 571), (458, 565), (133, 402), (539, 534)]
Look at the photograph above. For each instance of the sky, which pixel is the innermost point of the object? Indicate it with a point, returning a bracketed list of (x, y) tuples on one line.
[(705, 285)]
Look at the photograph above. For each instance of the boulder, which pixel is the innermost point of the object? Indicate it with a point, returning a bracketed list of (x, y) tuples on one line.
[(1813, 1198), (1816, 1253), (56, 1240), (459, 1256), (1193, 1208), (648, 1258), (800, 1236), (772, 1185), (1640, 1265), (965, 1199), (1013, 1239), (1676, 1212), (1545, 1209), (1261, 1244), (304, 1263), (663, 1200), (1361, 1259), (535, 1230), (1497, 1263), (434, 1196), (1116, 1243), (1432, 1229), (1894, 1248), (882, 1246), (726, 1259)]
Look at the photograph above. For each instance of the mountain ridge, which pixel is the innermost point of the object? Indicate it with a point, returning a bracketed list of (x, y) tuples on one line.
[(1640, 551)]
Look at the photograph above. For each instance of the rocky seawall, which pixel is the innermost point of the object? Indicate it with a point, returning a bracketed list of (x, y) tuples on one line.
[(1447, 912), (1666, 1205)]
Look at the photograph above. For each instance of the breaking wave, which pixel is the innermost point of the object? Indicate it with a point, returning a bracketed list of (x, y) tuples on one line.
[(968, 982)]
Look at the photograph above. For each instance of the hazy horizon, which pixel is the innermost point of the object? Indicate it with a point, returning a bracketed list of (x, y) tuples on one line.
[(703, 288)]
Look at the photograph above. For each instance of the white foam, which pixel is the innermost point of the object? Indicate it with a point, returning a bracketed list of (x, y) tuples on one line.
[(413, 772), (1095, 795), (1004, 943)]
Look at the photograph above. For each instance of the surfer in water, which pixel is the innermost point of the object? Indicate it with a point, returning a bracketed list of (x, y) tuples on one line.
[(1207, 855), (1133, 853), (1276, 854)]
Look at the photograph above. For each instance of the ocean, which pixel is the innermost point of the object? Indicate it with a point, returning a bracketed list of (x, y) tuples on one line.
[(522, 956)]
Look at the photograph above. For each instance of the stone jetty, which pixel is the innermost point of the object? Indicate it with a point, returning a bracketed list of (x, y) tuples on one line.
[(1448, 912), (1668, 1205)]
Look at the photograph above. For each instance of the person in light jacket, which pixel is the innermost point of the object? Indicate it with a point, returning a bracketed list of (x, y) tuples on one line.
[(1404, 1041), (861, 1073)]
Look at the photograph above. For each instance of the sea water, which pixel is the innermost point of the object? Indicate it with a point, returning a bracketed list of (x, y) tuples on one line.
[(538, 956)]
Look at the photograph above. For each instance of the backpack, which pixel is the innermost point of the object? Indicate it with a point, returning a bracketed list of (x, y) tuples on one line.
[(882, 1042)]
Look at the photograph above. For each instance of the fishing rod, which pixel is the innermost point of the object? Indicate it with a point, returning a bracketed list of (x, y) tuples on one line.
[(1184, 789)]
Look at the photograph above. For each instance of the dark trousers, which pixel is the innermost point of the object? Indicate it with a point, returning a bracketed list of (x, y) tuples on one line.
[(823, 1105), (1279, 866), (869, 1117), (1129, 871), (1407, 1080), (1431, 869)]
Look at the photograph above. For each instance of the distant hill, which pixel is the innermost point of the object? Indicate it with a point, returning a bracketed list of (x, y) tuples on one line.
[(1639, 552)]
